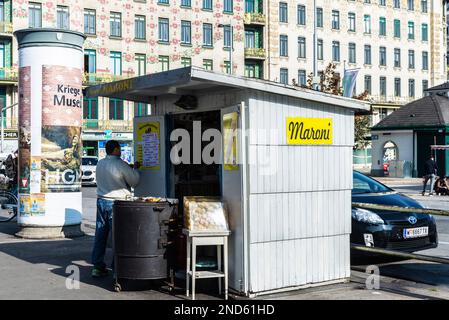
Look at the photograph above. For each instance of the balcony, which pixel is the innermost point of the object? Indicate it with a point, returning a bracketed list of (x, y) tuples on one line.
[(392, 100), (254, 18), (255, 53), (90, 79), (6, 28), (114, 125), (10, 74)]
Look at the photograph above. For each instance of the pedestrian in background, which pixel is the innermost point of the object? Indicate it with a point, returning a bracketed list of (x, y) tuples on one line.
[(430, 171), (114, 181)]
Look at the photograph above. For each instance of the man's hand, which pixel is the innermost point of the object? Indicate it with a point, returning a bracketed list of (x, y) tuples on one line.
[(136, 165)]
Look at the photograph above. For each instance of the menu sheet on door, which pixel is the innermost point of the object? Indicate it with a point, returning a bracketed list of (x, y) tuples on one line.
[(148, 145)]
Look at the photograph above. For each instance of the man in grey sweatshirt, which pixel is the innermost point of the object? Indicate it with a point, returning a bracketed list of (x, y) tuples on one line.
[(114, 181)]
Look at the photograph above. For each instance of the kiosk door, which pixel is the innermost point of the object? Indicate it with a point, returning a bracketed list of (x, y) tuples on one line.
[(233, 189), (149, 150)]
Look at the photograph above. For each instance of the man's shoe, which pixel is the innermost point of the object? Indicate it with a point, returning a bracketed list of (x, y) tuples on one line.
[(423, 193), (430, 194), (99, 273)]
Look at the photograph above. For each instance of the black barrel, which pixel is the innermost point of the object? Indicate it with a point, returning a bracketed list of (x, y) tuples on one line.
[(143, 238)]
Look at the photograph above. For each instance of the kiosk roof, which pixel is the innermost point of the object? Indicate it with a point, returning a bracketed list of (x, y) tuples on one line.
[(197, 81)]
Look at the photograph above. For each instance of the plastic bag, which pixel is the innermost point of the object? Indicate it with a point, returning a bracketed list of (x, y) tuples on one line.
[(205, 214)]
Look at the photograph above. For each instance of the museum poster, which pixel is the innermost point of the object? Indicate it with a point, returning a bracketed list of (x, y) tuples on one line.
[(61, 148), (148, 145), (24, 129)]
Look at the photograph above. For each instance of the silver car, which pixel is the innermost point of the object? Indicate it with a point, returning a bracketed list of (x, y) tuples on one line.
[(88, 170)]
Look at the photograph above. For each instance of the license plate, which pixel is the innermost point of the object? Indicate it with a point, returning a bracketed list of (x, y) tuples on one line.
[(416, 232)]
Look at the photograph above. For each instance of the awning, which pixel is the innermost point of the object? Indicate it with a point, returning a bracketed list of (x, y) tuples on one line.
[(197, 81)]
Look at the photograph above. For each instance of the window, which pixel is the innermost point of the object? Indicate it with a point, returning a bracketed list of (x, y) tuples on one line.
[(397, 87), (367, 51), (335, 19), (164, 63), (208, 64), (351, 53), (301, 47), (62, 17), (411, 30), (411, 88), (186, 32), (319, 17), (90, 61), (186, 62), (141, 109), (227, 36), (425, 60), (367, 23), (283, 47), (115, 109), (301, 15), (228, 6), (336, 51), (207, 4), (382, 26), (397, 58), (351, 21), (34, 15), (382, 3), (250, 39), (411, 59), (383, 86), (141, 62), (89, 21), (186, 3), (424, 6), (116, 24), (90, 108), (382, 56), (283, 76), (424, 32), (397, 28), (139, 27), (410, 5), (368, 84), (320, 49), (302, 78), (227, 67), (283, 12), (207, 34), (425, 86), (162, 1), (116, 63), (397, 4), (163, 30), (367, 1)]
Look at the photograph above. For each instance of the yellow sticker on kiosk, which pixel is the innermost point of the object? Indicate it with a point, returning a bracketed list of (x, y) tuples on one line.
[(309, 130)]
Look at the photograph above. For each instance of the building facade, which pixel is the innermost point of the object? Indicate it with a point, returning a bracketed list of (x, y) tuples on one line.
[(398, 45)]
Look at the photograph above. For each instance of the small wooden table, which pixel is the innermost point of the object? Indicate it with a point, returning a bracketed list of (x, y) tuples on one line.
[(195, 239)]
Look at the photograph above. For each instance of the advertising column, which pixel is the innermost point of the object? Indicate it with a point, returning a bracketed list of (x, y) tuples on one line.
[(50, 119)]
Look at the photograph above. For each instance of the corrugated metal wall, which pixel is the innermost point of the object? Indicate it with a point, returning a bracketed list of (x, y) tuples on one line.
[(300, 209)]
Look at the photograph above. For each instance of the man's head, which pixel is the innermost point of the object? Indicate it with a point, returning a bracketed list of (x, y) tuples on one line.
[(113, 148)]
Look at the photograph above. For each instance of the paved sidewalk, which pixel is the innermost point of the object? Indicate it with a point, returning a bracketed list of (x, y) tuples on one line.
[(37, 269)]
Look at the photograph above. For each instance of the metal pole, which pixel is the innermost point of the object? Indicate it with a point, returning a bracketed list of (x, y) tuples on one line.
[(232, 47), (2, 133), (315, 60)]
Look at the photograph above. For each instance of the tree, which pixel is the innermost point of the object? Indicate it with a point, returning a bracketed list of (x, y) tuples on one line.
[(330, 83)]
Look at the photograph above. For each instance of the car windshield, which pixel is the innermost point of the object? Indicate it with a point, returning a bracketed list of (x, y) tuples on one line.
[(90, 161), (365, 184)]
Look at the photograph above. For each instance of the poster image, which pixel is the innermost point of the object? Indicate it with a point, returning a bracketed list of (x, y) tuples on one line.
[(61, 96), (24, 128), (32, 204), (230, 141), (35, 175), (61, 159), (148, 145)]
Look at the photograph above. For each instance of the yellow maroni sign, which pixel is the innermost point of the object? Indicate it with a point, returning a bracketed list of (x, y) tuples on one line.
[(309, 130)]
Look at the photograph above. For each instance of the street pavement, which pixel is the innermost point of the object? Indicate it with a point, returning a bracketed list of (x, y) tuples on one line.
[(38, 269)]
